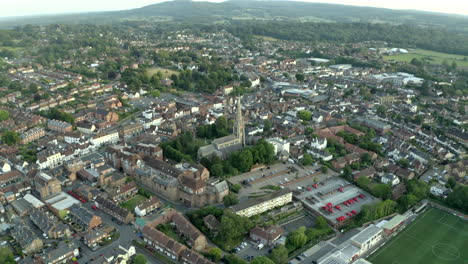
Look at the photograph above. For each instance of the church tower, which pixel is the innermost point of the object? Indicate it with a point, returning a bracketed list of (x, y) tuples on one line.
[(240, 128)]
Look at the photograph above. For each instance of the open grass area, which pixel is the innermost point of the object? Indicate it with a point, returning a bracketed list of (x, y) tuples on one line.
[(435, 237), (132, 203), (166, 73), (432, 57)]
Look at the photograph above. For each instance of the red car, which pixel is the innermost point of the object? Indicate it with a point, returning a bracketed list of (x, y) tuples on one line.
[(94, 207), (309, 189)]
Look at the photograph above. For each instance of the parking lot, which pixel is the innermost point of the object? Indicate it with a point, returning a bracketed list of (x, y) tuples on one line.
[(334, 198), (250, 251), (281, 175)]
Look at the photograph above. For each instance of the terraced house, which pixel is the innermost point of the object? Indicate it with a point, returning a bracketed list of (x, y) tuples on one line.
[(26, 238), (49, 224), (83, 217), (114, 210), (172, 248)]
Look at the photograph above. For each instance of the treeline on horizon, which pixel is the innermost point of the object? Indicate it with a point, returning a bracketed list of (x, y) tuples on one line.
[(403, 35)]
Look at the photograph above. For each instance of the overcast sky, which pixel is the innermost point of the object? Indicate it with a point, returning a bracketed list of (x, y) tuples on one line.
[(32, 7)]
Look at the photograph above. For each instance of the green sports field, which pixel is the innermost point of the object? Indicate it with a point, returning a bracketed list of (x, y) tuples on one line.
[(435, 237), (432, 57)]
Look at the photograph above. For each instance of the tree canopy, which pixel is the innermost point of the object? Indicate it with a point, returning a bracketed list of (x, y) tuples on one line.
[(10, 138), (4, 115)]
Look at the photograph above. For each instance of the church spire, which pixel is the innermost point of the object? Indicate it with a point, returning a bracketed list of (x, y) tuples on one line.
[(240, 129)]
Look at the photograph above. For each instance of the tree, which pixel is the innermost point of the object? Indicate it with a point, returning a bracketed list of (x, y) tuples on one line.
[(262, 260), (243, 161), (308, 131), (155, 93), (404, 163), (381, 110), (406, 201), (6, 256), (230, 199), (321, 223), (217, 169), (267, 126), (296, 239), (4, 115), (324, 169), (221, 126), (459, 198), (452, 182), (10, 138), (232, 230), (233, 259), (216, 254), (236, 188), (300, 77), (377, 211), (419, 189), (307, 159), (366, 158), (279, 255), (383, 191), (139, 259), (305, 115)]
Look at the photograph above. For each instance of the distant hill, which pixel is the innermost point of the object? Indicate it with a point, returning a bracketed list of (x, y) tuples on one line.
[(207, 12)]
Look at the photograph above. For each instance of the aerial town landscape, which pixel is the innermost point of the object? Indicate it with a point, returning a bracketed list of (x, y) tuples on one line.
[(153, 140)]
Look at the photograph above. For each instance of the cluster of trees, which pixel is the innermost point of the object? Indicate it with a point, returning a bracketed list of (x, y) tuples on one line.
[(207, 78), (55, 113), (241, 161), (416, 191), (459, 198), (335, 148), (380, 190), (184, 147), (377, 211), (232, 230), (6, 256), (364, 141), (10, 138), (216, 130), (196, 217), (301, 236), (402, 35)]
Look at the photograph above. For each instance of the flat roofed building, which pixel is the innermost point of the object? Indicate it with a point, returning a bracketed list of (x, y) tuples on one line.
[(394, 223), (60, 202), (262, 204), (367, 238)]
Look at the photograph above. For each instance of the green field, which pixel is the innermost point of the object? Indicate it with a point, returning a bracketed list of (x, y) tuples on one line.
[(166, 73), (132, 203), (430, 56), (435, 237)]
